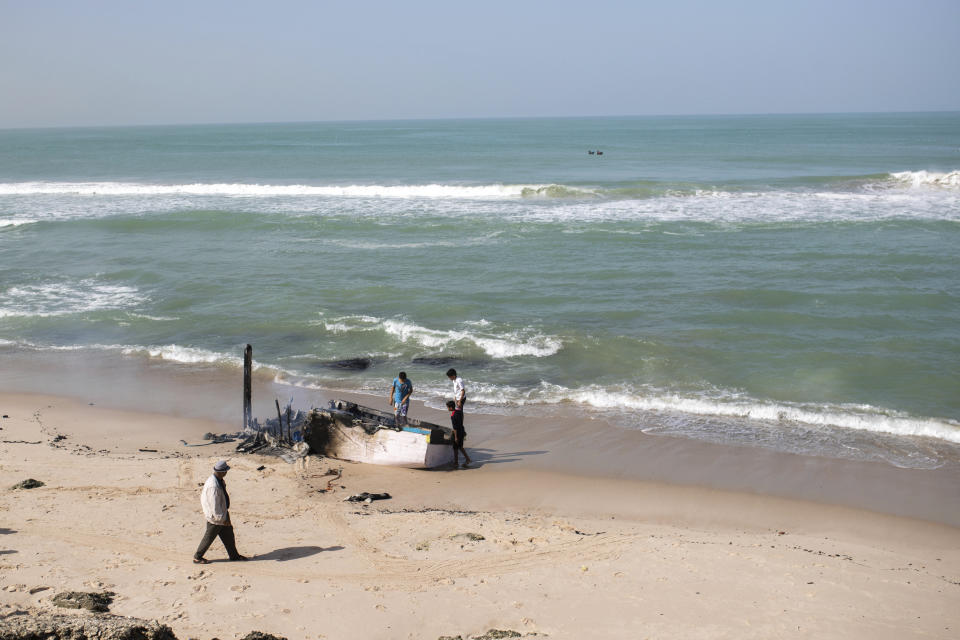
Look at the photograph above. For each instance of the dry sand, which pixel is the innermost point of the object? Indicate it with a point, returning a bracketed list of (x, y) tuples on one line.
[(563, 555)]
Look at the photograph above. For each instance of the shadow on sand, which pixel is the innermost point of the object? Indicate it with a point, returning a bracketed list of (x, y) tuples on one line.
[(293, 553), (4, 531), (480, 457)]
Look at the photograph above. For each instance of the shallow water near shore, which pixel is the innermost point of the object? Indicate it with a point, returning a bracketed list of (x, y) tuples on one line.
[(788, 282)]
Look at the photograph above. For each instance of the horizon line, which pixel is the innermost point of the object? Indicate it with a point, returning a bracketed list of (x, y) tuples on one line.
[(467, 118)]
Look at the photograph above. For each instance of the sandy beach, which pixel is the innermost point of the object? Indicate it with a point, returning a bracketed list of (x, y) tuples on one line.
[(691, 272), (501, 546)]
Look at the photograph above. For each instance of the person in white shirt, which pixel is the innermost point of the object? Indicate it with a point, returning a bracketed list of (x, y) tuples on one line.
[(459, 389), (215, 502)]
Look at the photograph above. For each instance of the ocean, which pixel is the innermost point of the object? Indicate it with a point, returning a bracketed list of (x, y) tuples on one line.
[(783, 281)]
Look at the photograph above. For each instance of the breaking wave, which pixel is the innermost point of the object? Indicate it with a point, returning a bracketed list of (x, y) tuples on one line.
[(928, 178), (58, 299), (184, 355), (522, 342), (15, 222), (241, 190), (858, 417)]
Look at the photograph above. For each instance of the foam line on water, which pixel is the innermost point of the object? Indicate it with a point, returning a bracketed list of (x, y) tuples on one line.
[(64, 298), (860, 417), (14, 222), (950, 179), (522, 342), (485, 191)]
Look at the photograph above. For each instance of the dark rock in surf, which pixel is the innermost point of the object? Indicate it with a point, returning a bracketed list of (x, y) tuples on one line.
[(446, 361), (349, 364), (436, 361)]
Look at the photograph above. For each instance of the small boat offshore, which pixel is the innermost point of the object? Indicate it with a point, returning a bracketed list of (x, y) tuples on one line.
[(349, 431)]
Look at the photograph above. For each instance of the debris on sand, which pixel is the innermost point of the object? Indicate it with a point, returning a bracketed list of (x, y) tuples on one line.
[(218, 438), (494, 634), (260, 635), (368, 497), (45, 626), (469, 537), (29, 483), (84, 600)]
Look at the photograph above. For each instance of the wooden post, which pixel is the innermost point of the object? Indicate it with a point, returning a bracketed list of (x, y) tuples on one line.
[(279, 422), (247, 387), (289, 425)]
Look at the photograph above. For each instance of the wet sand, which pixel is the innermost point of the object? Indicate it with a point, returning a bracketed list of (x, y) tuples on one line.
[(560, 443)]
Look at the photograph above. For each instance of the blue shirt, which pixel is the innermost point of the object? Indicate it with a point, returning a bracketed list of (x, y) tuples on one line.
[(401, 389)]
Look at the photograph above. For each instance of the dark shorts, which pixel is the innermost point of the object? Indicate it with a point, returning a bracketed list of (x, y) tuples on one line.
[(459, 436)]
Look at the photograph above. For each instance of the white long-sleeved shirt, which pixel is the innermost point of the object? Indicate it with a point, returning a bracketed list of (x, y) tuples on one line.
[(213, 499)]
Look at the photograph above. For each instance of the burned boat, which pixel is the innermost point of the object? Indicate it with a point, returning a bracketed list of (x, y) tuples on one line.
[(349, 431)]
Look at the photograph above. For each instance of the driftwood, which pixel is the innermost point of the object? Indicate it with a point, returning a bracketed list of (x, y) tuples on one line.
[(247, 386)]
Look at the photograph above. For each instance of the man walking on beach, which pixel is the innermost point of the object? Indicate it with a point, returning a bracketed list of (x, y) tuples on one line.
[(459, 389), (400, 396), (216, 509)]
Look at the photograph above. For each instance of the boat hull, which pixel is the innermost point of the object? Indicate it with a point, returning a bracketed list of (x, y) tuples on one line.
[(392, 448), (341, 435)]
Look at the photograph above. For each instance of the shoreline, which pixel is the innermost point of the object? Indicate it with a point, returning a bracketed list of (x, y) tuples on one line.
[(559, 444)]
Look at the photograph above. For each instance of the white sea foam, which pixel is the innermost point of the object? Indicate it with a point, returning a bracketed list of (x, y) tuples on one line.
[(859, 417), (762, 207), (350, 323), (186, 355), (155, 318), (516, 343), (928, 178), (486, 191), (352, 243), (14, 222), (63, 298), (524, 342), (892, 198)]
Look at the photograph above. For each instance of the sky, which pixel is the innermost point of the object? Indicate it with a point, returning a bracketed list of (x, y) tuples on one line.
[(122, 62)]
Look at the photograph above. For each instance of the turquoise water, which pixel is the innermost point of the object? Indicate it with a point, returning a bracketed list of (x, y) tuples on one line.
[(782, 281)]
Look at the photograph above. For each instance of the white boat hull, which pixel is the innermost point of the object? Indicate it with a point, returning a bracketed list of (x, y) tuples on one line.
[(338, 434), (392, 448)]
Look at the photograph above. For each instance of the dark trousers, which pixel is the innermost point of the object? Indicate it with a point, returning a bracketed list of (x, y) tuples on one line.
[(225, 531), (458, 437)]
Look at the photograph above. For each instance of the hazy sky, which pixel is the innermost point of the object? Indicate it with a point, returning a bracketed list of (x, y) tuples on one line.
[(137, 62)]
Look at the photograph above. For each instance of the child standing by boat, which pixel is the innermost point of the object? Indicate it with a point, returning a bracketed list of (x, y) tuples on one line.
[(400, 394), (456, 418)]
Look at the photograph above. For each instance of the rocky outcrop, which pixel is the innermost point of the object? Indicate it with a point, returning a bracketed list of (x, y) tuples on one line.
[(83, 600), (29, 483), (32, 626)]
